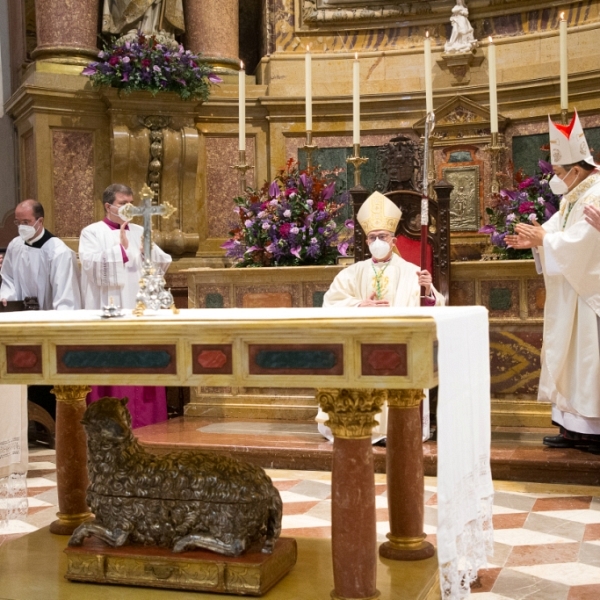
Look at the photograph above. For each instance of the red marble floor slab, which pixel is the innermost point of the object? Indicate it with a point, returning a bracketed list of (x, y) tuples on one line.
[(298, 508), (510, 521), (35, 509), (592, 533), (584, 592), (513, 461), (309, 532), (285, 485), (546, 554), (382, 514), (485, 580), (567, 503), (432, 501), (31, 491), (432, 539)]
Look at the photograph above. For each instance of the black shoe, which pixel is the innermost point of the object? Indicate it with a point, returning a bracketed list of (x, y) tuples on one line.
[(559, 441), (381, 443)]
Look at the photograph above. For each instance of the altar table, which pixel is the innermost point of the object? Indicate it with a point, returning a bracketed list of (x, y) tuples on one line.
[(356, 358)]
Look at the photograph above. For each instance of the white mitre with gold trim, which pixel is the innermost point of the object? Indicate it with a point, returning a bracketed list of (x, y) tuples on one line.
[(568, 144), (378, 212)]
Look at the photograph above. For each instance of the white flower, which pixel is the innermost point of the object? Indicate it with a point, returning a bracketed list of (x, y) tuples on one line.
[(287, 214), (541, 200), (262, 214), (532, 217), (274, 202), (294, 230), (248, 223), (266, 225)]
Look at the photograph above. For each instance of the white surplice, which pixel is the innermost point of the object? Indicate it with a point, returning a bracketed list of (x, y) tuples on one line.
[(49, 273), (105, 274), (570, 376), (399, 284)]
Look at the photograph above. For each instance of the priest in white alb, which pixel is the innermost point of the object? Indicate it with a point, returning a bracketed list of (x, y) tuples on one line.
[(383, 280), (111, 254), (569, 248)]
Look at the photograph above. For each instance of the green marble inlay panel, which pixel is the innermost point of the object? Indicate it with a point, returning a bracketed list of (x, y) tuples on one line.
[(116, 359), (214, 300), (527, 149), (500, 299), (317, 299), (296, 359)]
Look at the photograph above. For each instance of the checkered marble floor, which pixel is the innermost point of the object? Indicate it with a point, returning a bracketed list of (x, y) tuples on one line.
[(547, 537)]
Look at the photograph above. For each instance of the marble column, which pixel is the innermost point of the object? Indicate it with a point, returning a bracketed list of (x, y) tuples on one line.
[(405, 484), (353, 519), (66, 31), (212, 29), (71, 458)]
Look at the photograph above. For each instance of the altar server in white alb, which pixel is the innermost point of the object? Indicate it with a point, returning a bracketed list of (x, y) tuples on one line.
[(384, 280), (39, 265), (111, 259), (569, 248)]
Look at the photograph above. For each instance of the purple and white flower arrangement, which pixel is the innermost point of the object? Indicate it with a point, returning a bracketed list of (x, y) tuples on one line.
[(531, 201), (146, 64), (292, 221)]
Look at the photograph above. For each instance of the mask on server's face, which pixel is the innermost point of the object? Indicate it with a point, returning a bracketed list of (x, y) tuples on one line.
[(558, 185), (379, 249), (27, 231)]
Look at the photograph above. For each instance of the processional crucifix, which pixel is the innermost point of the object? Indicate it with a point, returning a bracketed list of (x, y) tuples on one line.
[(152, 293)]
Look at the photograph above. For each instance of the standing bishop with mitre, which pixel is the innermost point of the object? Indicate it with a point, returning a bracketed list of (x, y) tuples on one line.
[(569, 249), (384, 280)]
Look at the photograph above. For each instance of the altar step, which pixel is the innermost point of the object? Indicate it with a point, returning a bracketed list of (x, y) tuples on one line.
[(517, 453)]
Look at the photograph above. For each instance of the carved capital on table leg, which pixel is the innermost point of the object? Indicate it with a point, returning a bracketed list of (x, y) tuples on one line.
[(404, 398), (71, 394), (351, 412)]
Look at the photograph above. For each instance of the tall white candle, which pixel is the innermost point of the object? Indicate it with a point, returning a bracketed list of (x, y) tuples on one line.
[(428, 75), (308, 88), (564, 64), (356, 101), (242, 108), (493, 92)]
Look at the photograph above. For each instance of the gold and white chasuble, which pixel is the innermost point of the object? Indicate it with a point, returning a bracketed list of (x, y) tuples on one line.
[(570, 376), (395, 281)]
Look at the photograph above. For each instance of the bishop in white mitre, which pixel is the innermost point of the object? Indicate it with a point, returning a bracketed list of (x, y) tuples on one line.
[(111, 259), (383, 280), (569, 249)]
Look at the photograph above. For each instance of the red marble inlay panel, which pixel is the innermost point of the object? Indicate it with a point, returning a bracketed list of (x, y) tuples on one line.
[(213, 359), (384, 359), (23, 359)]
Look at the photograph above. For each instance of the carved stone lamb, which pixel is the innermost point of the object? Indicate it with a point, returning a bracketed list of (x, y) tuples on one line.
[(180, 500)]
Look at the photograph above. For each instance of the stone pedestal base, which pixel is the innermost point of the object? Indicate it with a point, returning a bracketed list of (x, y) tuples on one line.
[(251, 574)]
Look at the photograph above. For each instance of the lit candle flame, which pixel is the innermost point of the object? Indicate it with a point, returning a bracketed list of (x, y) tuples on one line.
[(490, 39), (307, 49), (427, 34), (356, 56), (241, 66), (562, 16)]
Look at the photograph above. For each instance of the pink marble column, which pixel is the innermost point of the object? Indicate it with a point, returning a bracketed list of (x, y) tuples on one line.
[(353, 519), (71, 458), (212, 28), (405, 484), (66, 31)]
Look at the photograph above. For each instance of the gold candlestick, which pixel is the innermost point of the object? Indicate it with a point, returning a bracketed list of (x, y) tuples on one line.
[(309, 148), (357, 160), (241, 168), (495, 148)]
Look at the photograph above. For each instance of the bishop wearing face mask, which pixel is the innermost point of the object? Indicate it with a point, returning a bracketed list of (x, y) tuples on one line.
[(39, 266), (111, 260), (383, 280), (569, 249)]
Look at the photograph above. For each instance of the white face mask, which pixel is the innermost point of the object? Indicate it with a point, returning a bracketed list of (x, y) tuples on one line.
[(379, 249), (27, 231), (558, 185)]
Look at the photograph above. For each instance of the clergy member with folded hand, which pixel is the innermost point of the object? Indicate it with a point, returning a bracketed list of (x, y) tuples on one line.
[(38, 266), (111, 259), (383, 280)]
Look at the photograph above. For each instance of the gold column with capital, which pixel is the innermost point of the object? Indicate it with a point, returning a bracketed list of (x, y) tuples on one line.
[(71, 458), (353, 519), (212, 28), (66, 31), (405, 483)]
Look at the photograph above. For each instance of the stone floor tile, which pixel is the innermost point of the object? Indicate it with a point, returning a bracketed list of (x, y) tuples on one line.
[(578, 516), (584, 592), (302, 522), (511, 521), (322, 510), (545, 523), (515, 501), (592, 532), (285, 484), (314, 489), (485, 580), (543, 555), (565, 503), (298, 508), (589, 554), (526, 537), (523, 586), (567, 573)]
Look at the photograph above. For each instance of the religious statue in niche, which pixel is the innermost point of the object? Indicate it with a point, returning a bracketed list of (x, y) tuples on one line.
[(461, 39), (162, 18)]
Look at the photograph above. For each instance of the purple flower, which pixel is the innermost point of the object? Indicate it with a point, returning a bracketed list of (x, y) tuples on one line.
[(248, 223), (156, 68), (296, 250), (274, 189), (343, 248), (532, 217), (306, 181), (545, 167), (214, 78), (329, 191), (125, 77), (487, 229), (287, 214), (349, 223), (266, 225), (549, 210), (497, 239)]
